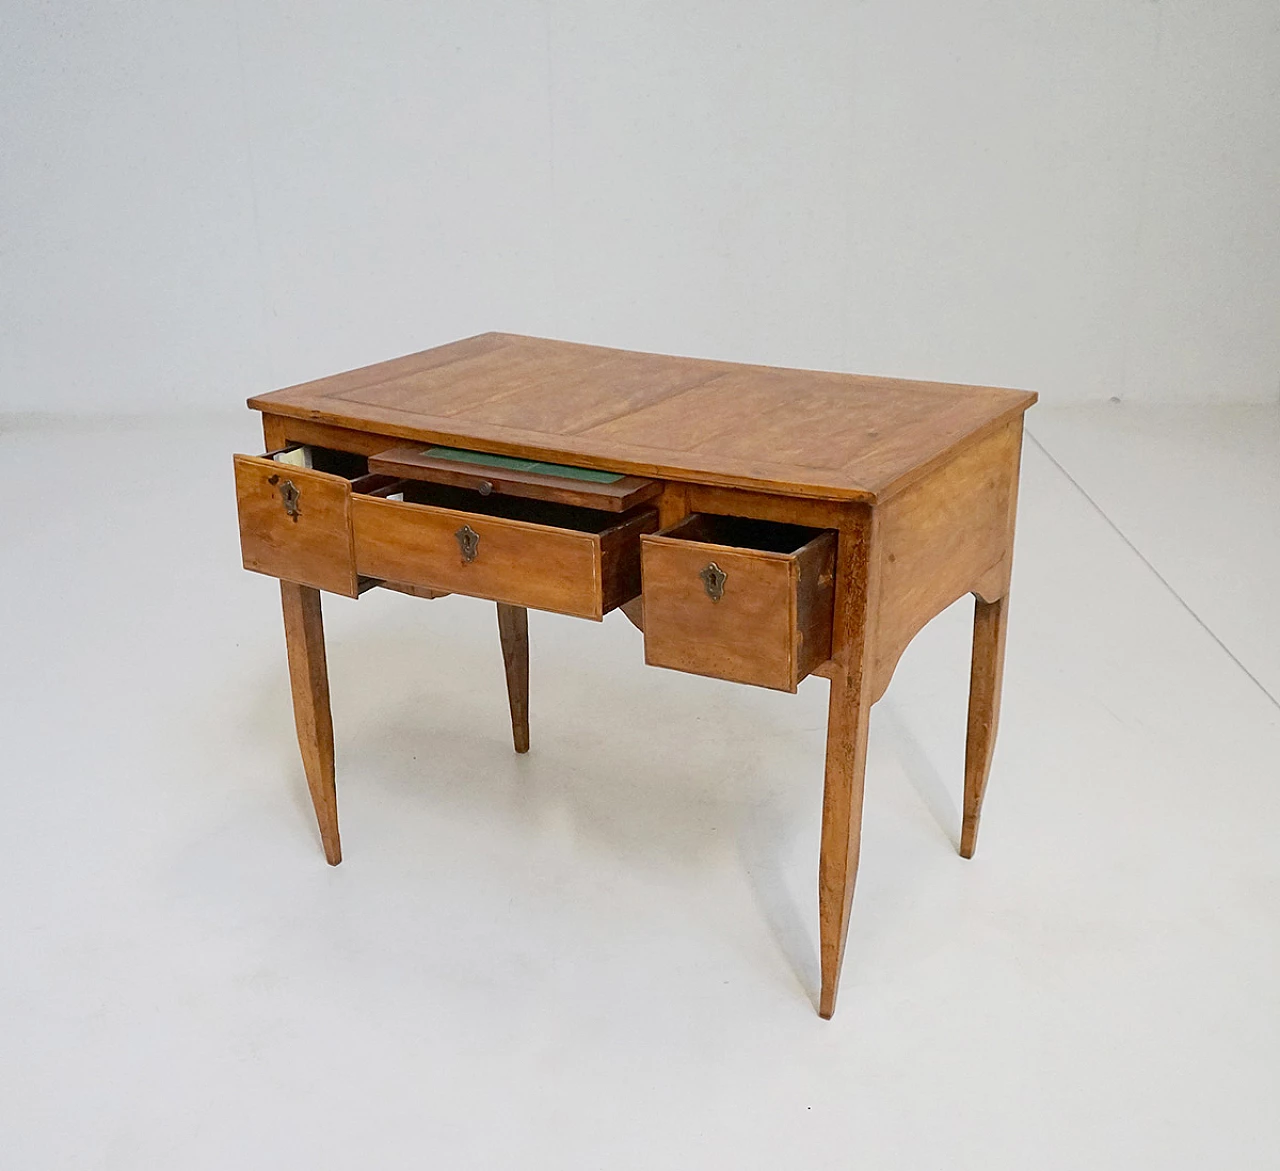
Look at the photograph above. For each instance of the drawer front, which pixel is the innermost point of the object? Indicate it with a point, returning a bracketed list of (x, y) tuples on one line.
[(745, 637), (295, 523), (745, 615), (518, 562)]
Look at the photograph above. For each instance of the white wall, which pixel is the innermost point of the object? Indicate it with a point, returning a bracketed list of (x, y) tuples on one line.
[(207, 199)]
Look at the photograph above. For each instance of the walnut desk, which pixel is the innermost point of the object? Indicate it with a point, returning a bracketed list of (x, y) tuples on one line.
[(757, 524)]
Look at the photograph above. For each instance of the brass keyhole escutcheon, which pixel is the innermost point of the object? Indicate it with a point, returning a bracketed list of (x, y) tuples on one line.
[(468, 541), (713, 578), (290, 495)]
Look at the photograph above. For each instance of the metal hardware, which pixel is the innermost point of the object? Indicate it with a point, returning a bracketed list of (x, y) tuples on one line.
[(485, 487), (713, 578), (468, 542), (289, 494)]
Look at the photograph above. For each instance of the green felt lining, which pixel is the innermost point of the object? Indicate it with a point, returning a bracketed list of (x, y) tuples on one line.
[(511, 464)]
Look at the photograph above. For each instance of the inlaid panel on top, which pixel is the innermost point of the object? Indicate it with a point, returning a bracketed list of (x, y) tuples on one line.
[(839, 436)]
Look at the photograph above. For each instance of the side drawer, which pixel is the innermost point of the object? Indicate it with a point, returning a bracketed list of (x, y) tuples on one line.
[(295, 518), (750, 601), (530, 553)]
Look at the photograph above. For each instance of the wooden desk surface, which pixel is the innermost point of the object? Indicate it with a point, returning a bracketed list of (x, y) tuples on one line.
[(801, 432)]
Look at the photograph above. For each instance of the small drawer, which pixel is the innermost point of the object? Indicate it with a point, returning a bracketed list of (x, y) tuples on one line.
[(319, 518), (295, 516), (750, 601), (532, 553)]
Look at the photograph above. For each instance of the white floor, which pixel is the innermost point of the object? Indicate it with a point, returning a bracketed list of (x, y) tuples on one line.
[(603, 955)]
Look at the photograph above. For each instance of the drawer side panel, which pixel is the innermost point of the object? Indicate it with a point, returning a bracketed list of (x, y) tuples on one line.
[(620, 558), (815, 602)]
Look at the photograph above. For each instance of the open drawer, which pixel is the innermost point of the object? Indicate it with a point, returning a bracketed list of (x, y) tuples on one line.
[(750, 601), (332, 523), (487, 473), (295, 516)]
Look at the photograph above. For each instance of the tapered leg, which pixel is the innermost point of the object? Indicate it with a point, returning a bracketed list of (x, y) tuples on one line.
[(309, 678), (990, 620), (513, 629), (847, 719), (848, 715)]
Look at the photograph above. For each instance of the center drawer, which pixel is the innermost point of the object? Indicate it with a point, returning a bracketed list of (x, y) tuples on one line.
[(526, 552), (318, 518)]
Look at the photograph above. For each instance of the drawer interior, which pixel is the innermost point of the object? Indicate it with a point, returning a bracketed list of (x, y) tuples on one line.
[(741, 532), (356, 469), (322, 459)]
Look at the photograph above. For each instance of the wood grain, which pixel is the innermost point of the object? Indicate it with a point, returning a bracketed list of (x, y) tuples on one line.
[(848, 717), (986, 675), (673, 504), (413, 591), (309, 680), (516, 563), (746, 637), (946, 536), (814, 514), (620, 558), (285, 430), (313, 548), (815, 590), (513, 630), (803, 433), (522, 563), (770, 627)]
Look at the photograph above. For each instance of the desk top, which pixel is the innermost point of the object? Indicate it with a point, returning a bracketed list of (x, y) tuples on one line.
[(801, 432)]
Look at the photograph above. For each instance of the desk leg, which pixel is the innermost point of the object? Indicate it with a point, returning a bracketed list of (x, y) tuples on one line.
[(309, 678), (847, 719), (513, 629), (990, 620), (848, 715)]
